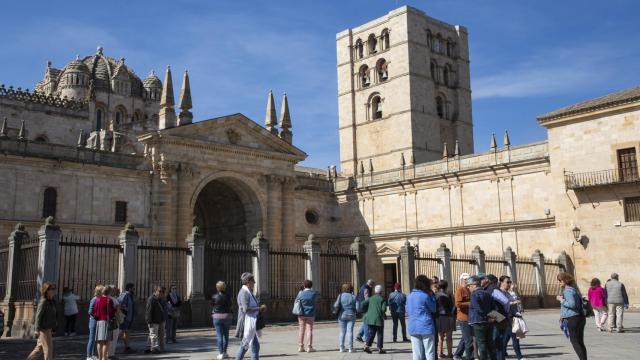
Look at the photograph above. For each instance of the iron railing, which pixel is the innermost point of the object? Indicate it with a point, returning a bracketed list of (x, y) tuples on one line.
[(336, 270), (226, 261), (163, 265), (287, 270), (599, 178), (527, 277)]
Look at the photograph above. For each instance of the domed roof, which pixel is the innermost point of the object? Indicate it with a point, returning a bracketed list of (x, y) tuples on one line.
[(152, 81), (76, 66)]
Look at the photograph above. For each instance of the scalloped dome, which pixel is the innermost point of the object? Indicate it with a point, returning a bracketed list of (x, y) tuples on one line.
[(152, 81), (76, 66)]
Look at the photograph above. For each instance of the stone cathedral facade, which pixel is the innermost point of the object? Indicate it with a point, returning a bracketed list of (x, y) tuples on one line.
[(96, 146)]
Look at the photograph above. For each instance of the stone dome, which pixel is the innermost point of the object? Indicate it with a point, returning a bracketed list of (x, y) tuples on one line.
[(76, 66), (152, 81)]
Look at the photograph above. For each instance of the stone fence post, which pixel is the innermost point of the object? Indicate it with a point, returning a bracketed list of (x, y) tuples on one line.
[(565, 260), (408, 268), (49, 236), (511, 258), (261, 266), (478, 255), (444, 256), (128, 259), (538, 258), (15, 240), (358, 264), (312, 268), (195, 265)]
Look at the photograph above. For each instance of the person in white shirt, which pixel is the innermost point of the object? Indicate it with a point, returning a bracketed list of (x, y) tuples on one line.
[(70, 301)]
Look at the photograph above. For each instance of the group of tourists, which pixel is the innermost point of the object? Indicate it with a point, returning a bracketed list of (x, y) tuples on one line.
[(609, 303)]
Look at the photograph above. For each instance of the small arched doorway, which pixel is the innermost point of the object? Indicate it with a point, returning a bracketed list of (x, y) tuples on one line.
[(227, 212)]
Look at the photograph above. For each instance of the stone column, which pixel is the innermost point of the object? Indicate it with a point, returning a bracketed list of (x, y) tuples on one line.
[(195, 278), (312, 268), (274, 214), (565, 261), (444, 255), (510, 257), (261, 266), (164, 197), (128, 260), (478, 255), (49, 236), (408, 268), (538, 258), (358, 264), (288, 209), (15, 240)]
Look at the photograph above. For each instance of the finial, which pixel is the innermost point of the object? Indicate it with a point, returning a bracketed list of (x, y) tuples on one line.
[(122, 60), (402, 161), (493, 145), (456, 150), (167, 115), (285, 121), (445, 151), (506, 141), (152, 73), (412, 160), (370, 165), (49, 63), (78, 57), (99, 50), (361, 167), (22, 133)]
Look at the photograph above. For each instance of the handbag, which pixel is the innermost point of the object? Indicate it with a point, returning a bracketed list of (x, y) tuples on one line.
[(587, 308), (297, 308), (113, 323), (260, 323), (519, 328)]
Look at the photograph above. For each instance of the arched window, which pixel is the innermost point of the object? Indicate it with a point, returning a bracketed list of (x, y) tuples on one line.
[(50, 202), (381, 69), (98, 119), (385, 39), (434, 71), (376, 107), (440, 110), (445, 75), (372, 43), (359, 49), (364, 75), (40, 139), (118, 117), (450, 47), (437, 46), (430, 40)]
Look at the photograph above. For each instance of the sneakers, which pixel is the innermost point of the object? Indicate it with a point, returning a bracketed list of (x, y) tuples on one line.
[(300, 348), (310, 349), (381, 351), (359, 339), (367, 350), (351, 351), (341, 349), (220, 357)]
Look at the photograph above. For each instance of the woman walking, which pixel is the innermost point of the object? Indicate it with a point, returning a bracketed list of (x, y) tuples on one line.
[(346, 310), (45, 322), (222, 316), (444, 320), (173, 298), (421, 303), (91, 344), (103, 311), (571, 314), (598, 300), (307, 299), (70, 301), (248, 309)]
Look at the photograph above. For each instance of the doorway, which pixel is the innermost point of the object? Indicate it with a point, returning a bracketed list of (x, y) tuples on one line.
[(390, 277)]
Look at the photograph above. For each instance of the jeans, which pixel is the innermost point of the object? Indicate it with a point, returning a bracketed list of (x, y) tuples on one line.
[(398, 318), (222, 334), (516, 345), (305, 324), (172, 327), (423, 346), (483, 333), (616, 312), (465, 346), (91, 344), (70, 323), (364, 331), (500, 339), (255, 350), (576, 335), (373, 330), (346, 328)]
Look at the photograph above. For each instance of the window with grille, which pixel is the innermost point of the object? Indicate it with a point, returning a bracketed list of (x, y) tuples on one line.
[(632, 209), (50, 202), (121, 212), (627, 164)]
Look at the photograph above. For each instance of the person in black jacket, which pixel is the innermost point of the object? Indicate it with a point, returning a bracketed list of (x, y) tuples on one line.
[(154, 317), (173, 315), (222, 317), (45, 323)]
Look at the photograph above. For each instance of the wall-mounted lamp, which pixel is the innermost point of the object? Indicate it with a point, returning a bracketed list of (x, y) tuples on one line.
[(576, 234)]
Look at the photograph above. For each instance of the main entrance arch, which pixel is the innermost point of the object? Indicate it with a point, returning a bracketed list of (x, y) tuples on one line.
[(228, 213)]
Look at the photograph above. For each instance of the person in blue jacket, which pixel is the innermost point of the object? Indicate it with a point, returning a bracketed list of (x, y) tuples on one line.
[(397, 303), (571, 313), (307, 299), (421, 303)]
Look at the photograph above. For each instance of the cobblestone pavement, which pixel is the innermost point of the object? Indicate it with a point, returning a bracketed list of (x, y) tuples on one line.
[(545, 340)]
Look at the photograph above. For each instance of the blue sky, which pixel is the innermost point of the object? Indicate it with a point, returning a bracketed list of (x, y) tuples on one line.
[(527, 57)]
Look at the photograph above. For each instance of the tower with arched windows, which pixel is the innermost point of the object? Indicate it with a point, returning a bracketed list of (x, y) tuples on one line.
[(403, 90)]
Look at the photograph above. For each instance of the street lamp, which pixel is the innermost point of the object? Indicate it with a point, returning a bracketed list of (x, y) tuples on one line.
[(576, 234)]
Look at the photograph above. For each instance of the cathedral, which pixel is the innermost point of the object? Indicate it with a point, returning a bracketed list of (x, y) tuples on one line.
[(96, 146)]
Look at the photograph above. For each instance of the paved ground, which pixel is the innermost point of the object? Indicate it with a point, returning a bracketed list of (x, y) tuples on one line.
[(544, 341)]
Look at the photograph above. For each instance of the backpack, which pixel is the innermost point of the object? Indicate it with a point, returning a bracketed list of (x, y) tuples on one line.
[(587, 308)]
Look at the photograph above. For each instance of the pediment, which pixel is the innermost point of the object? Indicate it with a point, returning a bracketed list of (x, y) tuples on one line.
[(234, 131), (386, 250)]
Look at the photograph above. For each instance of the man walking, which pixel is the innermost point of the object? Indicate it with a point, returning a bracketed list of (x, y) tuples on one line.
[(481, 305), (462, 301), (365, 292), (154, 316), (397, 302), (375, 308), (127, 303), (617, 301)]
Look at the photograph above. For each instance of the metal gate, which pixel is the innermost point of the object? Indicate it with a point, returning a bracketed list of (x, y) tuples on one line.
[(226, 262)]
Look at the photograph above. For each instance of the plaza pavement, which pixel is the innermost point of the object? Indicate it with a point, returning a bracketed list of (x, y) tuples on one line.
[(545, 340)]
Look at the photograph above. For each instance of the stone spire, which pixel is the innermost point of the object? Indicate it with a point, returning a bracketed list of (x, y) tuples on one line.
[(370, 166), (22, 134), (167, 113), (445, 151), (402, 161), (493, 145), (271, 121), (456, 150), (361, 168), (285, 121), (3, 129), (185, 117), (506, 141), (81, 139)]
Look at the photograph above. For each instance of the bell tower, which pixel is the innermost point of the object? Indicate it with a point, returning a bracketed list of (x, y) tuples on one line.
[(403, 91)]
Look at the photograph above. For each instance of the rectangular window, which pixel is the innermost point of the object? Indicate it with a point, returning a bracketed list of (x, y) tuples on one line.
[(632, 209), (121, 212), (627, 164)]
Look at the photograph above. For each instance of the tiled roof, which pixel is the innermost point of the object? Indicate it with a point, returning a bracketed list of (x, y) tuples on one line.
[(615, 99)]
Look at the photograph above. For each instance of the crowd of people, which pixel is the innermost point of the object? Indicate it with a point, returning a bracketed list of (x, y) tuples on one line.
[(486, 309)]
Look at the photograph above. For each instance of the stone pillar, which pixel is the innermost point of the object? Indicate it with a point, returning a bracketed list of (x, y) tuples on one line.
[(565, 261), (164, 198), (15, 240), (312, 268), (49, 236), (444, 256), (288, 216), (538, 258), (274, 214), (195, 278), (261, 266), (128, 261), (358, 264), (510, 257), (408, 267), (478, 255)]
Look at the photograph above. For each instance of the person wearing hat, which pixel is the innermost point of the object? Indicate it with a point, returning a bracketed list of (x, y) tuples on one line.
[(462, 299), (375, 309), (617, 300), (397, 303)]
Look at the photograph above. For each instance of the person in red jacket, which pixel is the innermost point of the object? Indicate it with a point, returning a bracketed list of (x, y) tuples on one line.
[(598, 299), (103, 311)]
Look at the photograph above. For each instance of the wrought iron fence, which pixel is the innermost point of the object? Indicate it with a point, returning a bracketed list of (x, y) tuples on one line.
[(226, 262), (427, 264), (496, 265), (4, 264), (527, 277), (161, 264), (551, 271), (462, 263), (336, 270), (27, 267), (85, 262), (287, 270)]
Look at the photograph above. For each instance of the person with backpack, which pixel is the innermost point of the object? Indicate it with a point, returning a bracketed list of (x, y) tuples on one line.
[(572, 313), (445, 310), (397, 302), (345, 309), (127, 305)]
